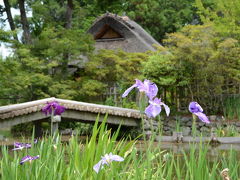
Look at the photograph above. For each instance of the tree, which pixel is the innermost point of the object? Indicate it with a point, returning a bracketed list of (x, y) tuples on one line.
[(24, 22), (223, 14), (156, 16), (209, 62), (69, 14), (163, 70), (161, 16), (107, 68), (41, 67), (9, 17)]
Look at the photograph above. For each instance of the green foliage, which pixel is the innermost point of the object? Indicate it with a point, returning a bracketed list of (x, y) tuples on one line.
[(109, 101), (129, 104), (229, 131), (33, 77), (108, 67), (84, 128), (97, 7), (223, 14), (160, 16), (162, 70), (231, 107), (40, 69), (208, 63), (22, 130), (5, 36), (25, 79)]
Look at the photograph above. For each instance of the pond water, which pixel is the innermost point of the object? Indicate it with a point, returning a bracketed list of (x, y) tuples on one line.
[(141, 145)]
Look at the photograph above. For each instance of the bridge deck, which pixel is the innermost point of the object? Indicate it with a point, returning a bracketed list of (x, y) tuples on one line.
[(80, 111)]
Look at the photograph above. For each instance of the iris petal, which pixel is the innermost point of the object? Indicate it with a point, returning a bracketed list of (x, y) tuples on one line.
[(58, 109), (202, 117), (167, 109), (152, 91), (152, 110), (97, 166), (116, 158), (128, 90), (147, 86), (195, 107), (25, 159), (108, 158)]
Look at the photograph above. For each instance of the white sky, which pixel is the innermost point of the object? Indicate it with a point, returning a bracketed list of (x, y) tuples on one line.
[(4, 50)]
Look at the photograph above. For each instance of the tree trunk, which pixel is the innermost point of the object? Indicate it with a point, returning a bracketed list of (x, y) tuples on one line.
[(68, 25), (69, 13), (9, 17), (24, 21)]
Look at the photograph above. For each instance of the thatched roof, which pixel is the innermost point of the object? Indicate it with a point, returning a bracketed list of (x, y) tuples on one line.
[(119, 32)]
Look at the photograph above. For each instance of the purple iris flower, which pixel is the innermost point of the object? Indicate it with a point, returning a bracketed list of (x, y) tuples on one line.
[(147, 86), (20, 146), (107, 159), (58, 109), (154, 108), (196, 109), (28, 158)]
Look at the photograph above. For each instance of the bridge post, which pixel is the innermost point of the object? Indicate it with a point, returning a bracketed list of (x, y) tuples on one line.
[(54, 125), (2, 137), (38, 128)]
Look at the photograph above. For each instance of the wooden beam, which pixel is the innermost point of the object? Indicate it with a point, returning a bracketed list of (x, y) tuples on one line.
[(111, 119)]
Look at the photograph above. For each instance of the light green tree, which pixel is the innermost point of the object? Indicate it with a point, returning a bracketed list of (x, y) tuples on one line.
[(209, 62), (223, 14)]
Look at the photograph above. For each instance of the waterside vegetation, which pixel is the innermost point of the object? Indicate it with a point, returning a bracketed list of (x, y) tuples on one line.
[(75, 160)]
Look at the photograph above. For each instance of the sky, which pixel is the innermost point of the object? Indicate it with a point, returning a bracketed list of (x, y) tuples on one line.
[(4, 49)]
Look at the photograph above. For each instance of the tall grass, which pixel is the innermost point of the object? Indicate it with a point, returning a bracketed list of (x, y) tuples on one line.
[(231, 107), (75, 160)]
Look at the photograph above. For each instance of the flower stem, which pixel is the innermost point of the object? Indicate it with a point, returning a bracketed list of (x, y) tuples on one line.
[(194, 129), (52, 115)]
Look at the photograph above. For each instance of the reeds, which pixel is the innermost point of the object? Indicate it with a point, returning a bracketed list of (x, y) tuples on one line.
[(231, 107), (75, 160)]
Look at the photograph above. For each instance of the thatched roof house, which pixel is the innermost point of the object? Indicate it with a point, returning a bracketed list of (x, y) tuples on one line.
[(119, 32)]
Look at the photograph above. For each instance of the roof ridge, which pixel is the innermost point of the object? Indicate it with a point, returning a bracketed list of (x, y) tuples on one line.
[(123, 19)]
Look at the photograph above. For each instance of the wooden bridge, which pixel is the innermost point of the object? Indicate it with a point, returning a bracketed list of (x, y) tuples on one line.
[(75, 111)]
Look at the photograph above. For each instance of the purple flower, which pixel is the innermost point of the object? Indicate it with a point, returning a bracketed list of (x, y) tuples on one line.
[(196, 109), (58, 109), (155, 108), (20, 146), (28, 158), (147, 86), (107, 159)]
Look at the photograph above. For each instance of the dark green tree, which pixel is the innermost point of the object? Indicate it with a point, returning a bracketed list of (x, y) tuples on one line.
[(159, 17)]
